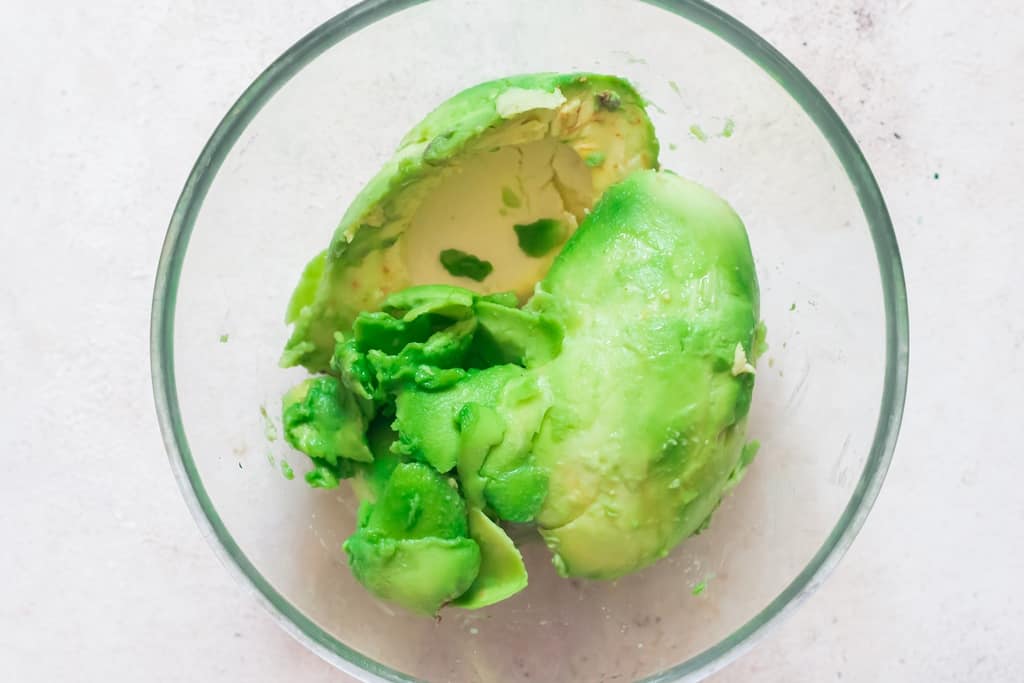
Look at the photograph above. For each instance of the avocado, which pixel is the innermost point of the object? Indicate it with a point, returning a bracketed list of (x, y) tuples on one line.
[(610, 410), (510, 335), (422, 336), (430, 336), (502, 572), (418, 503), (323, 420), (539, 238), (647, 421), (484, 426), (370, 480), (503, 153), (418, 545), (480, 428), (421, 575), (413, 546), (460, 264), (426, 420)]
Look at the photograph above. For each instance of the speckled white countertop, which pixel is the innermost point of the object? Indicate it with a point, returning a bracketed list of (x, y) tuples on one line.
[(104, 576)]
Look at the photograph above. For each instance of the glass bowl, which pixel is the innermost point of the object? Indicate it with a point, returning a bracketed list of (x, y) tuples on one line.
[(732, 113)]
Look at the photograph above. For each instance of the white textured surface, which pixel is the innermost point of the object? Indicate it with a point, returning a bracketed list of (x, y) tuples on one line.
[(104, 576)]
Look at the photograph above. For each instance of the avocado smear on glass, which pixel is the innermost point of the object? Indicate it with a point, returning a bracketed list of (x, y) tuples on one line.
[(593, 381)]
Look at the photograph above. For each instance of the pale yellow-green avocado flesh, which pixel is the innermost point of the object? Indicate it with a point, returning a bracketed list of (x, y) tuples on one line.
[(507, 152), (530, 173)]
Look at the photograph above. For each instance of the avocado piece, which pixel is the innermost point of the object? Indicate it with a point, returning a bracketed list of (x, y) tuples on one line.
[(517, 494), (512, 335), (382, 350), (356, 374), (426, 420), (503, 153), (523, 405), (484, 425), (382, 332), (431, 336), (541, 237), (412, 546), (446, 301), (305, 291), (480, 429), (322, 419), (647, 423), (502, 572), (421, 575), (432, 364), (508, 299), (619, 440), (460, 264), (370, 480), (418, 503), (421, 337)]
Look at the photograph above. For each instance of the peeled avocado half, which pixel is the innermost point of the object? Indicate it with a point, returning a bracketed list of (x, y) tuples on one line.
[(509, 152), (658, 295), (609, 411)]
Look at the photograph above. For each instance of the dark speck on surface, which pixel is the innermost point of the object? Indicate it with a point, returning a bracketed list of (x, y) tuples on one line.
[(897, 136), (865, 22), (935, 176)]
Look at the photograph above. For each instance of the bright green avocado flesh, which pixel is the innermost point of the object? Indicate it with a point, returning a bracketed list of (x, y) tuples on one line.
[(608, 410)]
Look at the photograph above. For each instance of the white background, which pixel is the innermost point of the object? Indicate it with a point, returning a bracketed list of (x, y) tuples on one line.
[(103, 108)]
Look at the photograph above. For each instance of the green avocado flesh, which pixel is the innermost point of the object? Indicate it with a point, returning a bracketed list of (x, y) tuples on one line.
[(593, 380), (460, 264), (648, 416), (539, 238)]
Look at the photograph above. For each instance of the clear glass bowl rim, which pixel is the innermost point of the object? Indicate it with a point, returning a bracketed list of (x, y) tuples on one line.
[(346, 23)]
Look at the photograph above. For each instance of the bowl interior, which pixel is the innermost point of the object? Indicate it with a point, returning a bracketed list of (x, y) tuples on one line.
[(274, 201)]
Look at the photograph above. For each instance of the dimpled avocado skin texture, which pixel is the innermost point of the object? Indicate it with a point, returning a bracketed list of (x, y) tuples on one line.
[(655, 291)]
